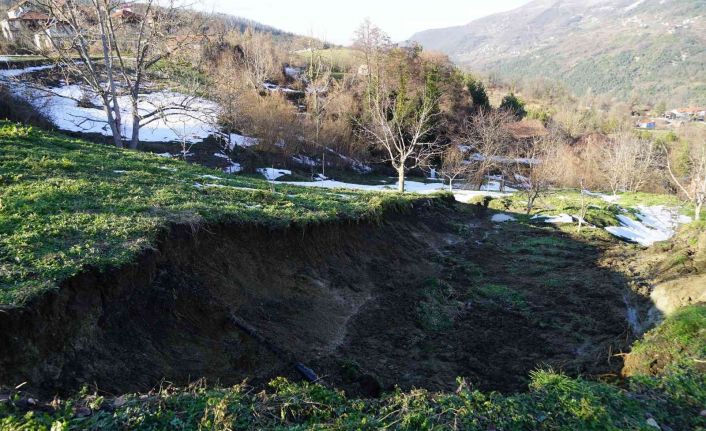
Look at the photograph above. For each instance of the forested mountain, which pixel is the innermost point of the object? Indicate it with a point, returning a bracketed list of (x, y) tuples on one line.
[(652, 49)]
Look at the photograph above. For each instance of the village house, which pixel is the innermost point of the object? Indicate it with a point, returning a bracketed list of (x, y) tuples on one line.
[(28, 25), (687, 114), (647, 124)]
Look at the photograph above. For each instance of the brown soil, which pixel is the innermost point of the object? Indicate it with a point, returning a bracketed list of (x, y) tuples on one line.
[(413, 301)]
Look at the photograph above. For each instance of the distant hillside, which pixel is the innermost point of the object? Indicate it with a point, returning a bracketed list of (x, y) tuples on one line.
[(653, 49), (229, 21)]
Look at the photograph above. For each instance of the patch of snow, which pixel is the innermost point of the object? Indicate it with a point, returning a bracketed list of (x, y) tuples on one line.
[(410, 186), (560, 219), (304, 160), (241, 141), (165, 155), (608, 198), (466, 196), (234, 168), (210, 177), (495, 186), (274, 88), (655, 224), (120, 172), (292, 72), (61, 104), (13, 73), (502, 218), (272, 174), (221, 156)]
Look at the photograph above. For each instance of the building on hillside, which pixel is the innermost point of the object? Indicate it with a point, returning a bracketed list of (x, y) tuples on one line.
[(27, 24), (647, 124), (126, 15), (687, 114)]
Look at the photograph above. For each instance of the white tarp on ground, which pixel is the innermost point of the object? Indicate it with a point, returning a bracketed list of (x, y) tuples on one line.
[(654, 224)]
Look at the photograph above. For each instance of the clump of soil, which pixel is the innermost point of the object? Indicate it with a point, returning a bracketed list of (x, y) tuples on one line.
[(414, 301)]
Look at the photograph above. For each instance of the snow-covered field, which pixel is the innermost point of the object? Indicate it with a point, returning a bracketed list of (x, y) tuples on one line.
[(181, 117), (464, 196), (654, 224)]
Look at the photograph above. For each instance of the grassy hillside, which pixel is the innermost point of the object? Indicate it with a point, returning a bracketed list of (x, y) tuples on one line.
[(554, 402), (66, 204)]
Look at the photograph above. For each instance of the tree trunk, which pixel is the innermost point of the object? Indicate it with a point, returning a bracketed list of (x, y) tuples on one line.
[(697, 212), (114, 126), (135, 95), (112, 102), (135, 139), (400, 184), (530, 203), (451, 185)]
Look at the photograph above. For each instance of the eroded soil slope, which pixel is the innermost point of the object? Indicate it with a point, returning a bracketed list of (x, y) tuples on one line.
[(414, 301)]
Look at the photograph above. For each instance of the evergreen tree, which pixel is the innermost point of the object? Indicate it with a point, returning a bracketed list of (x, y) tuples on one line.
[(514, 105), (478, 94)]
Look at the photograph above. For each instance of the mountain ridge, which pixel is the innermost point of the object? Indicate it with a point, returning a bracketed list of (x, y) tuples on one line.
[(646, 49)]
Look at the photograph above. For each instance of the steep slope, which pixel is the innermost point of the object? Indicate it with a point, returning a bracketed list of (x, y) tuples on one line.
[(649, 48)]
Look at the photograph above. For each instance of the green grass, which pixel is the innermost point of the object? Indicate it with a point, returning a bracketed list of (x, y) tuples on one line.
[(503, 296), (436, 310), (66, 204), (342, 59), (554, 402), (679, 341)]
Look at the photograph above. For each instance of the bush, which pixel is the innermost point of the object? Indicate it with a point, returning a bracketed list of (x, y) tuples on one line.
[(514, 105)]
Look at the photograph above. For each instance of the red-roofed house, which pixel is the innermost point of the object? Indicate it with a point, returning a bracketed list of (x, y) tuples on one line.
[(27, 23)]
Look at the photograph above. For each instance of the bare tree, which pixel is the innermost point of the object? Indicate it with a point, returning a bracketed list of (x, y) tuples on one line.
[(258, 59), (485, 138), (628, 162), (535, 167), (374, 43), (454, 165), (583, 206), (130, 43), (402, 126), (693, 184), (319, 85)]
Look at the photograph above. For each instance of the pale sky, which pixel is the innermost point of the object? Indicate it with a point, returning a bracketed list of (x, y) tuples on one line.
[(336, 20)]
